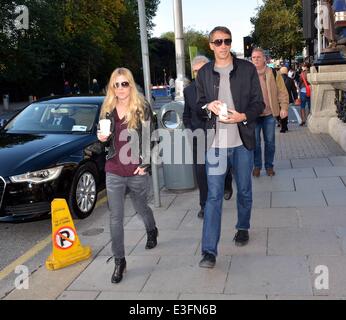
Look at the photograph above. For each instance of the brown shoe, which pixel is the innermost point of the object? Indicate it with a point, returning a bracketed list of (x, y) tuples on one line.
[(256, 172), (270, 172)]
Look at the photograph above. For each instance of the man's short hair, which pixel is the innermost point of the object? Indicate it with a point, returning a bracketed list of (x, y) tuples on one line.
[(221, 29), (199, 59), (258, 49)]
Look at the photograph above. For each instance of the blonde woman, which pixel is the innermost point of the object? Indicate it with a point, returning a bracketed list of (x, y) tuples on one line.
[(128, 160)]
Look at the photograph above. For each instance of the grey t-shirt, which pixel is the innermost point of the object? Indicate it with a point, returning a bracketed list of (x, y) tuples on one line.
[(227, 134)]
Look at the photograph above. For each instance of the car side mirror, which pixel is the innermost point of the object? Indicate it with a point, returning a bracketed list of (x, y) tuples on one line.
[(3, 123)]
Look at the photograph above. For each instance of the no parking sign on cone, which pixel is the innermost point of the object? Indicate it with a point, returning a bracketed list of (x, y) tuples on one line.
[(67, 248)]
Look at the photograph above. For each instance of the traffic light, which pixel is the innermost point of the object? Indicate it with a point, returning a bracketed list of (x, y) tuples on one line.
[(248, 46), (309, 17)]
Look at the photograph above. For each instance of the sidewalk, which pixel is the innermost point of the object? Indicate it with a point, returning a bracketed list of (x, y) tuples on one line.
[(14, 106), (298, 224)]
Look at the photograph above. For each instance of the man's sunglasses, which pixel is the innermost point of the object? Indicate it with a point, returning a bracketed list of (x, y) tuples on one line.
[(124, 84), (218, 42)]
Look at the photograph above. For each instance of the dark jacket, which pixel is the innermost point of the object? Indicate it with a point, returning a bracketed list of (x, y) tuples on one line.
[(145, 129), (291, 88), (191, 118), (246, 92)]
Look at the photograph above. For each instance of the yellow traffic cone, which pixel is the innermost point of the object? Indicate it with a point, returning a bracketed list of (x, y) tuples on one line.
[(67, 248)]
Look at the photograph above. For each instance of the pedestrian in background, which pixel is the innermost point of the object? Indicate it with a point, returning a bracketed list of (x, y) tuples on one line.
[(292, 95), (171, 84), (95, 89), (305, 92), (193, 120), (276, 104), (76, 89), (67, 88), (129, 114), (232, 86)]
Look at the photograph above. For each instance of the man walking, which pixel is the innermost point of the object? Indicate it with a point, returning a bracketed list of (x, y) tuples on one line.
[(194, 121), (275, 97), (230, 136)]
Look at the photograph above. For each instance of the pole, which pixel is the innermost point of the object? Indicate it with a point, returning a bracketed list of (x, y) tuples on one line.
[(179, 50), (319, 36), (147, 83)]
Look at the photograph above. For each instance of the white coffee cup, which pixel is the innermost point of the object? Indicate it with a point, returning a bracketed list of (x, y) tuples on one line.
[(223, 111), (105, 127)]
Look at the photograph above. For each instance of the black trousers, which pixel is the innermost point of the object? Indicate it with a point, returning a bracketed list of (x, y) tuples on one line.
[(201, 177), (283, 123)]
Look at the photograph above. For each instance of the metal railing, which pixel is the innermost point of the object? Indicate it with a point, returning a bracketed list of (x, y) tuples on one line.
[(340, 102)]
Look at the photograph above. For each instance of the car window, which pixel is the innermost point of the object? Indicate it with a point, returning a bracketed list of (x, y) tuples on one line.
[(56, 118)]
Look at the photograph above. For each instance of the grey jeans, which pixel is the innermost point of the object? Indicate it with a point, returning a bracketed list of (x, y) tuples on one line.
[(116, 192)]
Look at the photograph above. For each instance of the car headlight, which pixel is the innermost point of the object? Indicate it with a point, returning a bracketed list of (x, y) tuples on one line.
[(40, 176)]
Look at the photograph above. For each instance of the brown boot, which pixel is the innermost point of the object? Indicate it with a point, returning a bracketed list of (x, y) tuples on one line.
[(256, 172), (270, 172)]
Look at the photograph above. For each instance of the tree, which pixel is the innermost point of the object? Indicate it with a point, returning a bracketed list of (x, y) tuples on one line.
[(92, 38), (278, 28), (195, 38), (162, 60)]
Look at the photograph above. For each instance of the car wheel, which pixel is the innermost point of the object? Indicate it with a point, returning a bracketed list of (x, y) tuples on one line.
[(83, 193)]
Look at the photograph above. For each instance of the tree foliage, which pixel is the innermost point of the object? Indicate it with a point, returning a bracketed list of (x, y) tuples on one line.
[(90, 38), (192, 38), (278, 27)]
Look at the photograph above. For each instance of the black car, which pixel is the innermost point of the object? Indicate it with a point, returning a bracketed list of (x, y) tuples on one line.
[(50, 150)]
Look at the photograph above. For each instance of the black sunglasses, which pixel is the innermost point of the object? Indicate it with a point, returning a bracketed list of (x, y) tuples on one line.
[(218, 42), (124, 84)]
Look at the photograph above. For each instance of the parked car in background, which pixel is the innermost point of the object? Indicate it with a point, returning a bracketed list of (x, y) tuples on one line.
[(50, 150)]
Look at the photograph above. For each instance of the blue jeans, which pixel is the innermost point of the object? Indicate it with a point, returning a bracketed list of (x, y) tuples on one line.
[(304, 100), (241, 161), (267, 125)]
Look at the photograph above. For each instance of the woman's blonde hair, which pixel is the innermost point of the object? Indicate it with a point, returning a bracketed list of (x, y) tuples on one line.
[(136, 105)]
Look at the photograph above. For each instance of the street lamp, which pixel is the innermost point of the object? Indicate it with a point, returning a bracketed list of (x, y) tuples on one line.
[(62, 66), (164, 77)]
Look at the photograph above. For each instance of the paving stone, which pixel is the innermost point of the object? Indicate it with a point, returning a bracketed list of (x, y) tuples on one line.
[(344, 180), (202, 296), (338, 161), (335, 197), (79, 295), (132, 238), (303, 241), (171, 243), (97, 277), (269, 184), (298, 199), (257, 244), (169, 219), (311, 163), (191, 221), (97, 241), (183, 275), (313, 184), (109, 295), (322, 217), (260, 199), (296, 298), (282, 164), (293, 173), (165, 199), (274, 218), (336, 272), (261, 275), (330, 172)]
